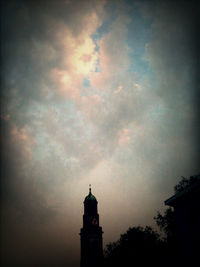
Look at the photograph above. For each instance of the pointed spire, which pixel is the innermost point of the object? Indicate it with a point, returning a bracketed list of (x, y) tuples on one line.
[(90, 188)]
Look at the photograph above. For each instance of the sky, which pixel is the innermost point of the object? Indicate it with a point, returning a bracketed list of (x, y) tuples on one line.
[(93, 92)]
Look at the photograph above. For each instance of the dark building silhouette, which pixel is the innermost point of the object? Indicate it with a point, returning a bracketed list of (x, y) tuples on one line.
[(91, 234), (186, 206)]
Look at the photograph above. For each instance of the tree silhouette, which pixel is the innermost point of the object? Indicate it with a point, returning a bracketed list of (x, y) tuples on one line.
[(141, 246), (186, 182), (166, 223), (138, 246)]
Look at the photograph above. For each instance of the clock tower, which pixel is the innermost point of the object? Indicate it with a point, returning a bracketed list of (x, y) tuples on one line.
[(91, 234)]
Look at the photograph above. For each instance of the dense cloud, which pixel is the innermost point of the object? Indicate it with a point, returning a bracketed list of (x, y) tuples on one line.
[(84, 100)]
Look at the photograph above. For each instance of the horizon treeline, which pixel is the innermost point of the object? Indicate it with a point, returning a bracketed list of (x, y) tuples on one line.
[(144, 246)]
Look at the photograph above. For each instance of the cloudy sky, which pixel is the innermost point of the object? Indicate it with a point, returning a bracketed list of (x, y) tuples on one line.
[(100, 92)]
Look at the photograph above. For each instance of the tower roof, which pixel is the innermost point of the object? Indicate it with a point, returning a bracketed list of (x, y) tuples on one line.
[(90, 196)]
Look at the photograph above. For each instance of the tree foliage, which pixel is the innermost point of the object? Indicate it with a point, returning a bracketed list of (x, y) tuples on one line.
[(142, 246), (138, 245), (186, 182), (166, 223)]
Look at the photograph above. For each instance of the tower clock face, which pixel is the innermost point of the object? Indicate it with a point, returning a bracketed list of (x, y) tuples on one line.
[(94, 221)]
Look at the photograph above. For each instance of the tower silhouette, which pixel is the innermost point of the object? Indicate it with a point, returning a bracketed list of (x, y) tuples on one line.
[(91, 234)]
